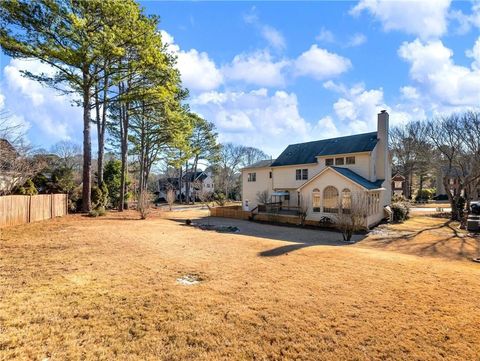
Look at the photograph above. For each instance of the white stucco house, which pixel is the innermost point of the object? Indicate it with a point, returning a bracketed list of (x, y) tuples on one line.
[(325, 173)]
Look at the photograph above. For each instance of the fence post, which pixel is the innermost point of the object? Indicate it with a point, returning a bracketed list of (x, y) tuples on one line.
[(30, 209)]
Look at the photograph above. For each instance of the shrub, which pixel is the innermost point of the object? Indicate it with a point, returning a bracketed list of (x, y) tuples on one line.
[(219, 198), (27, 189), (101, 211), (144, 204), (400, 211), (93, 213), (425, 194), (398, 198), (75, 200), (99, 196), (112, 177)]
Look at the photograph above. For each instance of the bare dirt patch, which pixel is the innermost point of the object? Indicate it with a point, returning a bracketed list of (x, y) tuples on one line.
[(105, 288)]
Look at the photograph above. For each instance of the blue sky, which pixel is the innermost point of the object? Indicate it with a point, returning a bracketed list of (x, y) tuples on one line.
[(273, 73)]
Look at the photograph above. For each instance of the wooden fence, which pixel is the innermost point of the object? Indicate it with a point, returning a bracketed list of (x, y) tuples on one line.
[(229, 212), (25, 209)]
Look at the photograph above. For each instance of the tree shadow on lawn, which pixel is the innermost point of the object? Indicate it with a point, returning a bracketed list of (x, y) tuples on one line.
[(445, 241), (301, 237)]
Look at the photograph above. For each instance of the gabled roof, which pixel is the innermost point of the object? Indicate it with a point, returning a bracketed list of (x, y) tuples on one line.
[(193, 176), (261, 164), (303, 153), (349, 174), (6, 146), (453, 172), (365, 183)]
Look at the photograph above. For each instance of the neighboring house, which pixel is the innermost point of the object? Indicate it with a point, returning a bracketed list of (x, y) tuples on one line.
[(453, 180), (319, 175), (200, 182), (8, 178), (400, 185)]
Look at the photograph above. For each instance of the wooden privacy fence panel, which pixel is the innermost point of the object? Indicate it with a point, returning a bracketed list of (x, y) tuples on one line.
[(14, 210), (24, 209), (40, 207), (230, 212)]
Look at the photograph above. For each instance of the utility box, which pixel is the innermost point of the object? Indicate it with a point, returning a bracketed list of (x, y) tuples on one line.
[(473, 220)]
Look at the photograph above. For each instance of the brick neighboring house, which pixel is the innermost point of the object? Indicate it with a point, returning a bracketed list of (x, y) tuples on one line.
[(400, 185), (200, 182)]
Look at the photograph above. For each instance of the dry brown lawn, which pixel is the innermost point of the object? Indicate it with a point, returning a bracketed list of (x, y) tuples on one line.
[(80, 288), (426, 236)]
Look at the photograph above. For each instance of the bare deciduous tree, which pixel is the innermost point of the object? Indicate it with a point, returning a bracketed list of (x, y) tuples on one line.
[(352, 215), (303, 209), (262, 197), (16, 163), (144, 204), (232, 158), (456, 140), (70, 154), (170, 197), (411, 151)]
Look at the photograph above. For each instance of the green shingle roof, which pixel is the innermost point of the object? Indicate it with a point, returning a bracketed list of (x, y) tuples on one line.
[(303, 153), (365, 183), (261, 164)]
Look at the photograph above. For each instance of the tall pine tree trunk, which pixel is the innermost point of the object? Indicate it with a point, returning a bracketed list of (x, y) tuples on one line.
[(194, 171), (180, 175), (101, 125), (124, 123), (87, 149), (188, 183)]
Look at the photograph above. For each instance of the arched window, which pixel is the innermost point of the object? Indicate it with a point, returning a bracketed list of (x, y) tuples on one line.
[(330, 200), (316, 200), (346, 200)]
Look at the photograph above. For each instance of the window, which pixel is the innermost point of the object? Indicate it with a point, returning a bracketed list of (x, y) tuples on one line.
[(329, 161), (270, 175), (208, 185), (298, 174), (350, 160), (301, 174), (346, 201), (304, 174), (373, 203), (339, 161), (316, 200), (252, 177), (330, 200), (398, 184)]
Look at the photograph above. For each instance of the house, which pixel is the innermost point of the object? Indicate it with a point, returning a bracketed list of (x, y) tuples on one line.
[(320, 175), (400, 186), (8, 177), (200, 182), (453, 176)]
